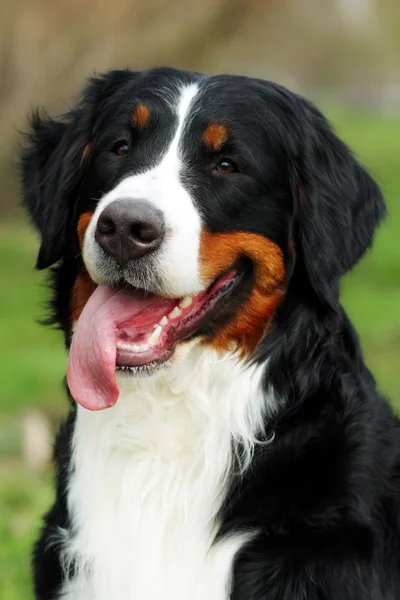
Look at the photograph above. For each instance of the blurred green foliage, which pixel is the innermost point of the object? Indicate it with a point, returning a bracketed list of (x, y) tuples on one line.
[(33, 360), (24, 497)]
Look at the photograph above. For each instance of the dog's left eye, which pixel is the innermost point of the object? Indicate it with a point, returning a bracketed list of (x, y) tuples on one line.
[(226, 167), (121, 148)]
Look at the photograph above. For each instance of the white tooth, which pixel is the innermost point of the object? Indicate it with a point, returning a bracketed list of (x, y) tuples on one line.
[(125, 346), (133, 347), (164, 321), (153, 339), (175, 313), (186, 301)]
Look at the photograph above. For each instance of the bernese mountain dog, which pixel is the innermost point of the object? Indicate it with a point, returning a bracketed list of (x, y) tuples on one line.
[(225, 438)]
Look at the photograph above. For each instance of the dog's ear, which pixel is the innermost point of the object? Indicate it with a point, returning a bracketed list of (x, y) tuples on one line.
[(338, 206), (50, 173), (52, 160)]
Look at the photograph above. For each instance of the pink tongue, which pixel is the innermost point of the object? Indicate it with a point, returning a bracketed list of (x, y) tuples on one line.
[(92, 357)]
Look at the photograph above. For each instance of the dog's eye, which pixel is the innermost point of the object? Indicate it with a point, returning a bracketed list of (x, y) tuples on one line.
[(226, 167), (121, 148)]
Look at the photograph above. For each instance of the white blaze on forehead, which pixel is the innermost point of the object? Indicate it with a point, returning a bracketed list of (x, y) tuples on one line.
[(183, 111), (177, 261)]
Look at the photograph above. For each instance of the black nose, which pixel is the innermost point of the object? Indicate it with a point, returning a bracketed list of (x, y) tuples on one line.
[(128, 229)]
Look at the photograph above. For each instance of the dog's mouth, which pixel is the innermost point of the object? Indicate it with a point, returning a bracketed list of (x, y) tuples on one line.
[(129, 329), (151, 336)]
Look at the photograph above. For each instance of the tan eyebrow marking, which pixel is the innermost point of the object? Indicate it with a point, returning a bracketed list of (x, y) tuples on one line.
[(215, 136), (140, 115)]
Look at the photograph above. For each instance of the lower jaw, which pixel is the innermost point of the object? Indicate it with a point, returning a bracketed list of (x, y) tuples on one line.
[(143, 371), (148, 361), (149, 357), (146, 368)]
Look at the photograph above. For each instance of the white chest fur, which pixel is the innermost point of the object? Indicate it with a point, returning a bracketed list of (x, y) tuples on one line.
[(149, 477)]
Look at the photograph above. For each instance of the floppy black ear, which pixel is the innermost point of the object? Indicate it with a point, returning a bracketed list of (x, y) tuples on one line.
[(50, 166), (339, 206)]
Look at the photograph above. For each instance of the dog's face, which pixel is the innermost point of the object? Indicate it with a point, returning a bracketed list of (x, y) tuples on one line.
[(185, 208), (192, 202)]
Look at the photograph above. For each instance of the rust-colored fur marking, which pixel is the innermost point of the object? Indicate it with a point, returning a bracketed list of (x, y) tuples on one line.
[(83, 224), (217, 253), (83, 286), (215, 136), (140, 116), (85, 153), (81, 292)]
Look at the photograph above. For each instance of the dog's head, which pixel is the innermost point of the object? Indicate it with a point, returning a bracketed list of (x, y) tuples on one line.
[(185, 205)]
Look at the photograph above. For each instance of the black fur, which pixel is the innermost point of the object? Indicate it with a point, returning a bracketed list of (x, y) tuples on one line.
[(325, 495)]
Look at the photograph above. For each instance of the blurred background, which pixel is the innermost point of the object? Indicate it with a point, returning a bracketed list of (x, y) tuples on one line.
[(344, 54)]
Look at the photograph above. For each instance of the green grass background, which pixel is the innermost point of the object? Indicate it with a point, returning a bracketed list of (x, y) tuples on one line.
[(32, 358)]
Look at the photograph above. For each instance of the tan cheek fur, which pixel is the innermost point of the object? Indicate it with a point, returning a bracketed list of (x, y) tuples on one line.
[(81, 292), (83, 287), (218, 252)]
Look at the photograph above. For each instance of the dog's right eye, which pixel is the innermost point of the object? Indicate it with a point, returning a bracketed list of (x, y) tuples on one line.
[(121, 148)]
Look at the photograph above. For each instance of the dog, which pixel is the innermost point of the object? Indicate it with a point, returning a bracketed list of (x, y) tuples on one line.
[(225, 438)]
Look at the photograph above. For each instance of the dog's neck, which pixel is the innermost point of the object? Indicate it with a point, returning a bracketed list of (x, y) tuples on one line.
[(172, 412), (155, 469)]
